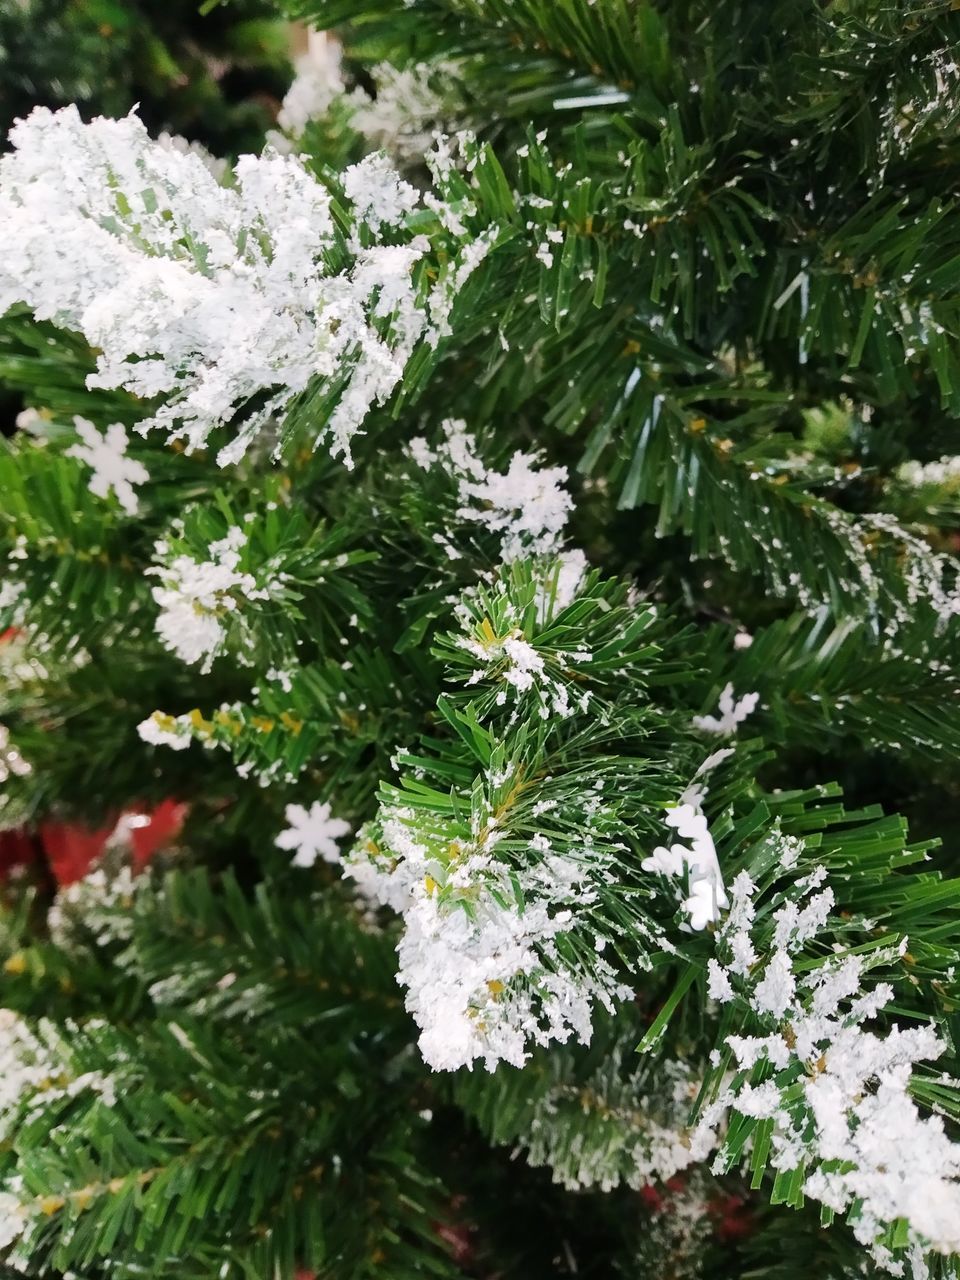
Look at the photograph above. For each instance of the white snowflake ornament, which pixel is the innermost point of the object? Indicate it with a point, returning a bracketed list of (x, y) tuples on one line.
[(697, 860), (704, 903), (106, 455), (313, 833), (732, 712)]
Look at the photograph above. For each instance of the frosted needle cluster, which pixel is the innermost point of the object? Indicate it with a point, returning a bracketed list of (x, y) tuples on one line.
[(479, 958), (223, 303)]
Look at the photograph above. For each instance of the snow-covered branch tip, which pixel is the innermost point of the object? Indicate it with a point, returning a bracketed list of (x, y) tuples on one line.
[(527, 505), (836, 1095), (223, 302), (485, 951)]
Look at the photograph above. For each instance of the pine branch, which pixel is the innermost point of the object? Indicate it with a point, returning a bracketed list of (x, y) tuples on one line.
[(225, 1118), (822, 683), (216, 1153), (273, 958), (595, 1117)]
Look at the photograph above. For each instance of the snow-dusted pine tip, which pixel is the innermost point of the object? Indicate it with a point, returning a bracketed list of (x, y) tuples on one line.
[(622, 1126), (505, 646), (106, 455), (410, 105), (837, 1096), (220, 300), (195, 598), (519, 668), (99, 904), (313, 833), (527, 505), (407, 107), (481, 954)]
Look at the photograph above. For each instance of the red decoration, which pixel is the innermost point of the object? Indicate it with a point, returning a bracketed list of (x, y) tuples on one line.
[(651, 1198), (163, 825), (458, 1237), (457, 1234), (72, 850), (729, 1215), (732, 1218)]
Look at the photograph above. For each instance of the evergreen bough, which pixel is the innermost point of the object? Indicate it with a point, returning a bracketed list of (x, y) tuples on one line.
[(517, 515)]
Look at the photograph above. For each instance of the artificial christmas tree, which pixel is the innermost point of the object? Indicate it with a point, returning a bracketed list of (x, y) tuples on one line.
[(526, 551)]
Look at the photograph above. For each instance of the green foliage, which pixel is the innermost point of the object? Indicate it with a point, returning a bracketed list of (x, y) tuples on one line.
[(823, 683), (596, 1115), (721, 294), (209, 78), (255, 1117)]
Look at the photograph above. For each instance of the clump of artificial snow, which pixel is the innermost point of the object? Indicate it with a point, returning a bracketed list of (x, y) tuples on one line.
[(218, 299), (401, 117), (479, 958), (162, 730), (409, 105), (318, 83), (918, 475), (527, 505), (195, 596)]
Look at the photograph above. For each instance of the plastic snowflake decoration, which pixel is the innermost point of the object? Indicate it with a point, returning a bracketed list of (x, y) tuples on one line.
[(697, 859), (731, 713), (313, 833), (112, 469)]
